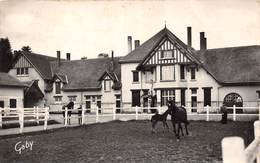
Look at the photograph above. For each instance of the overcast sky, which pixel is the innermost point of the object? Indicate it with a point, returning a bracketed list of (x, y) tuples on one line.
[(87, 28)]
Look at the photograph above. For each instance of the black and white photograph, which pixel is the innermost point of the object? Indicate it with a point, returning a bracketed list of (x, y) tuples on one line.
[(130, 81)]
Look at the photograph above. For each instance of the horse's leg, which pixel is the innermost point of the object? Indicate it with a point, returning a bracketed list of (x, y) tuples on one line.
[(178, 132), (181, 130), (173, 125), (167, 126), (153, 126), (186, 124)]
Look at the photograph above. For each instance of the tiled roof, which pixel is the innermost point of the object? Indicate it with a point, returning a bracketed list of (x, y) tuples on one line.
[(10, 81), (139, 54), (41, 63), (85, 74), (232, 65)]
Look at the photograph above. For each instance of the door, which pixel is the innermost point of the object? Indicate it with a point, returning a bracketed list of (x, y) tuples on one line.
[(12, 103), (183, 97), (88, 106), (193, 103), (207, 96), (2, 104), (136, 98)]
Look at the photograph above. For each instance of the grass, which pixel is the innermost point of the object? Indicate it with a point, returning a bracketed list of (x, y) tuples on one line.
[(130, 141)]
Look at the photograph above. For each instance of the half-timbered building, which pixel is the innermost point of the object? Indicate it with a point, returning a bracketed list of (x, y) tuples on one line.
[(165, 68)]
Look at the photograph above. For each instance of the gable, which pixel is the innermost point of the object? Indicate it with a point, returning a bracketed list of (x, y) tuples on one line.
[(167, 52), (22, 62)]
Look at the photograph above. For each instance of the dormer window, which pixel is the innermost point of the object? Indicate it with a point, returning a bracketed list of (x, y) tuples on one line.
[(107, 85), (58, 87), (167, 54), (22, 71)]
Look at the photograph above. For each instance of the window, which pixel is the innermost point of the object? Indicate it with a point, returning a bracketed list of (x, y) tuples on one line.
[(18, 71), (183, 97), (167, 95), (22, 71), (167, 54), (107, 85), (168, 72), (12, 103), (99, 102), (182, 72), (135, 76), (58, 98), (193, 91), (193, 73), (58, 87), (72, 98), (258, 93), (149, 77), (118, 101)]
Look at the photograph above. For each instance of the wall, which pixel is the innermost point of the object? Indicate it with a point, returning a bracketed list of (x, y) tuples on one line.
[(203, 79), (8, 93)]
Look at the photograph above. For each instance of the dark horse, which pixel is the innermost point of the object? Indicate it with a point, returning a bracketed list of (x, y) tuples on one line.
[(160, 117), (178, 116), (70, 106)]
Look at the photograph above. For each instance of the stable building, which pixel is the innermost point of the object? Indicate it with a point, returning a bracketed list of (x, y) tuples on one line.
[(11, 91), (165, 68), (54, 82)]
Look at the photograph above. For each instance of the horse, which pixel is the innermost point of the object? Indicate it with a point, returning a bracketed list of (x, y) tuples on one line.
[(70, 106), (160, 117), (178, 116)]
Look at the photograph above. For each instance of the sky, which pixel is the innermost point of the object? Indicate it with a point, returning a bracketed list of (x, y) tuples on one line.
[(87, 28)]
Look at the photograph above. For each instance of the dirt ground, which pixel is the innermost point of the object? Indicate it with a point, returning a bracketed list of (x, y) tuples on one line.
[(130, 141)]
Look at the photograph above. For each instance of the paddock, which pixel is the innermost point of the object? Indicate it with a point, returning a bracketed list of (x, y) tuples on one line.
[(129, 141)]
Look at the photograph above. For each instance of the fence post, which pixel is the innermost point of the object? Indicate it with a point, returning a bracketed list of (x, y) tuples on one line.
[(136, 113), (46, 118), (97, 118), (1, 121), (234, 112), (114, 113), (21, 119), (82, 115), (257, 135), (233, 150), (207, 110), (259, 112), (66, 116), (37, 115)]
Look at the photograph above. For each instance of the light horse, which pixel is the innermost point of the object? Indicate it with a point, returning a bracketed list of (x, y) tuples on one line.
[(178, 116)]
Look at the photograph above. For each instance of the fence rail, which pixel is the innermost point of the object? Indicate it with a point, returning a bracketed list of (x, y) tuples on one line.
[(22, 115), (233, 150)]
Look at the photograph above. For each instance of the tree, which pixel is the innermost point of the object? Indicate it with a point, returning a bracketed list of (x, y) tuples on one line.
[(26, 49), (6, 56)]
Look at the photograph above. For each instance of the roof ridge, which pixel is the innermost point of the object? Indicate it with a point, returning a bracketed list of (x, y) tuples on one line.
[(230, 47)]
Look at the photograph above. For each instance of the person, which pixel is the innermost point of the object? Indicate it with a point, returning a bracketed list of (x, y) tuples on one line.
[(224, 114)]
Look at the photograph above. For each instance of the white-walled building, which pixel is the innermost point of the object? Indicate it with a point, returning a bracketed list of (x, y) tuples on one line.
[(165, 68), (160, 69), (54, 81), (11, 91)]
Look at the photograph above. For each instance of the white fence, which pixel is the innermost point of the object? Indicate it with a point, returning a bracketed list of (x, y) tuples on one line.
[(22, 115), (233, 149)]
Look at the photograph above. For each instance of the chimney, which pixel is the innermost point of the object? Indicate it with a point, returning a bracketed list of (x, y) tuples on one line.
[(129, 42), (137, 43), (189, 36), (112, 60), (205, 43), (68, 56), (202, 41), (58, 57)]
